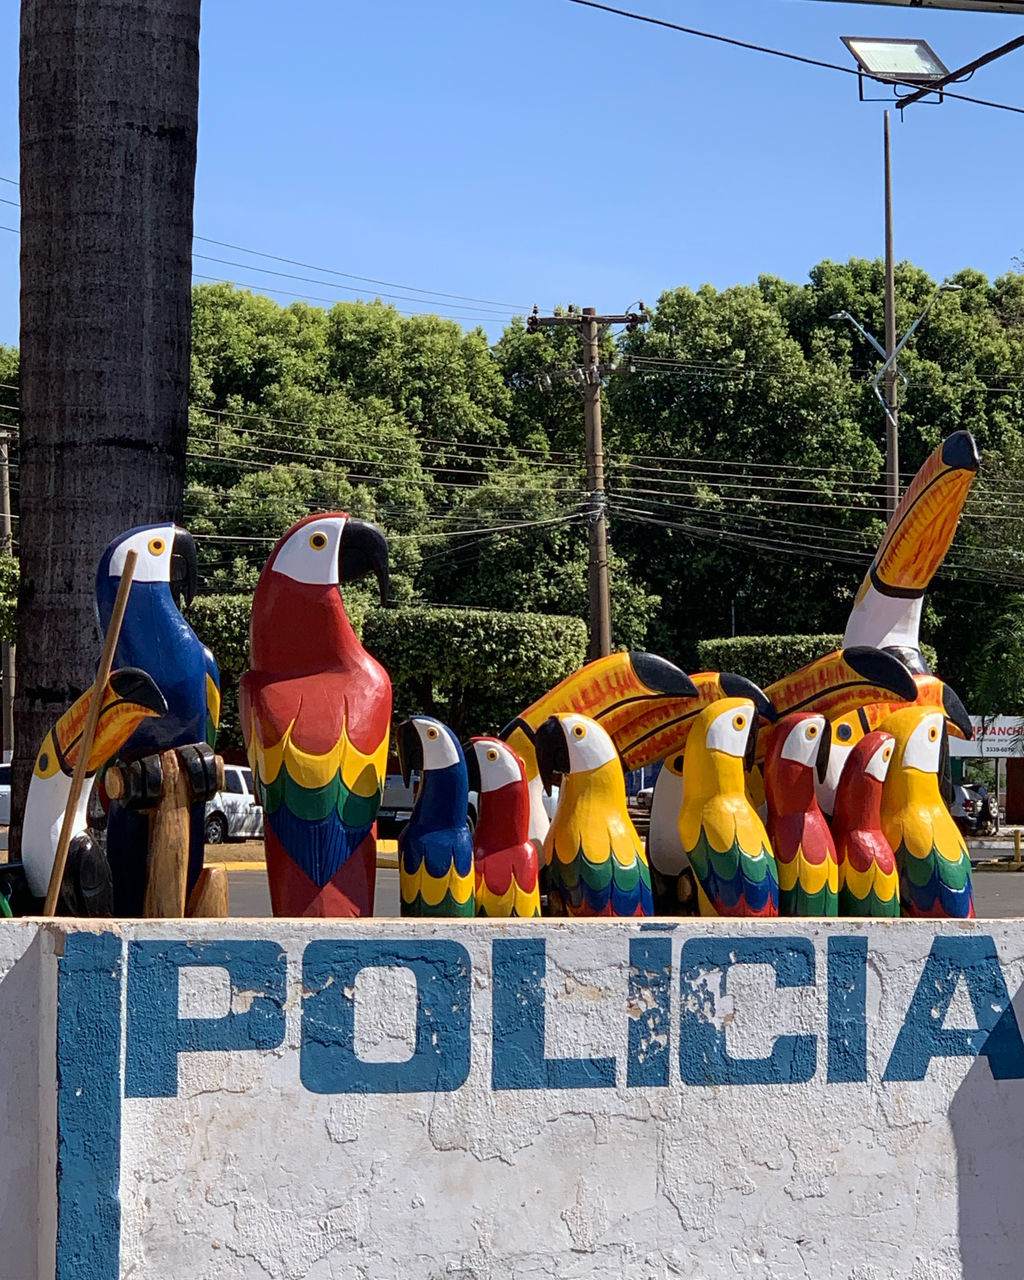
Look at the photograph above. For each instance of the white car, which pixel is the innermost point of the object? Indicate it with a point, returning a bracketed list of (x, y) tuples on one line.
[(5, 795), (234, 813)]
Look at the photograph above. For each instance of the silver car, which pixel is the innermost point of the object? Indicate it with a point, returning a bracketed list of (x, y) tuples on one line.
[(234, 813)]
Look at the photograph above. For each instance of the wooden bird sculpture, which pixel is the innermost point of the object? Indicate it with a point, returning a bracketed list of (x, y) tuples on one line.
[(868, 880), (595, 858), (129, 697), (933, 862), (505, 862), (315, 709), (156, 639), (435, 848), (805, 856), (720, 831)]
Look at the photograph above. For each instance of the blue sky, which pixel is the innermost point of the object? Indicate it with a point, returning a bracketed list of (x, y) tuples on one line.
[(523, 151)]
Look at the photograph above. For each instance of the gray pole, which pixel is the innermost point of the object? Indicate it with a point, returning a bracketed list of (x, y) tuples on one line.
[(892, 442), (597, 568)]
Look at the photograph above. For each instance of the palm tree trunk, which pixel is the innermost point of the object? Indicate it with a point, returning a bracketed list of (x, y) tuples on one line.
[(109, 117)]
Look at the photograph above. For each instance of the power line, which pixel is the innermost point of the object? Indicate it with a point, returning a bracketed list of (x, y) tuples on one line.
[(766, 49)]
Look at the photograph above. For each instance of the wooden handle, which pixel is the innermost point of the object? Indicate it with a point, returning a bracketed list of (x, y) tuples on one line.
[(168, 844), (89, 732)]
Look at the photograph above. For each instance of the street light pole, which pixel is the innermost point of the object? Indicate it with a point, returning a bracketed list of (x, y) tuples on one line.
[(892, 435)]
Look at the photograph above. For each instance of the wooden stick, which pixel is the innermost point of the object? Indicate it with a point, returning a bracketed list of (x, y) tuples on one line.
[(89, 733), (168, 844)]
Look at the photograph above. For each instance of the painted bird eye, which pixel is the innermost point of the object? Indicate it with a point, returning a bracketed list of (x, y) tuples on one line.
[(933, 733), (318, 541), (157, 546), (492, 754), (739, 722), (812, 731), (844, 733), (579, 731), (431, 733), (887, 753)]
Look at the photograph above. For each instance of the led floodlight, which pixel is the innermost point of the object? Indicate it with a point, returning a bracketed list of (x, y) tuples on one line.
[(895, 60)]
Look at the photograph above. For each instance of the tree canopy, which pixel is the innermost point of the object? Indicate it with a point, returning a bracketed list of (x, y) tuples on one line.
[(744, 456)]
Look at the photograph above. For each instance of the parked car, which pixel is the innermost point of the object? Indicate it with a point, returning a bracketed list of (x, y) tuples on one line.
[(395, 806), (234, 813), (5, 795), (645, 798)]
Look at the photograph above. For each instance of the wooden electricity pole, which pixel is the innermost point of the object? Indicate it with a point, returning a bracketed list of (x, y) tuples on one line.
[(589, 325)]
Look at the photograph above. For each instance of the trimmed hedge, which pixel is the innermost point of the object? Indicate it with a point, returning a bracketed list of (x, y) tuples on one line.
[(765, 659), (473, 668)]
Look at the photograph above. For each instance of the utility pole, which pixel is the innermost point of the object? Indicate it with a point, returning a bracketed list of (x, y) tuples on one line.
[(589, 325), (892, 438), (7, 649)]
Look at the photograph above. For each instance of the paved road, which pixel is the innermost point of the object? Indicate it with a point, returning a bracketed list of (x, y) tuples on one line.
[(998, 895)]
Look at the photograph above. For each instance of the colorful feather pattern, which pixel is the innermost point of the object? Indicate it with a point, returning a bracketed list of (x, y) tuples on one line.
[(320, 808), (936, 885), (315, 710), (435, 848), (934, 865), (805, 855), (735, 881), (596, 863), (719, 830), (868, 879), (507, 878)]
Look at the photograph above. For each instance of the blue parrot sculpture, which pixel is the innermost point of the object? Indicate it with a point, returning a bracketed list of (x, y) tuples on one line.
[(435, 849), (157, 639)]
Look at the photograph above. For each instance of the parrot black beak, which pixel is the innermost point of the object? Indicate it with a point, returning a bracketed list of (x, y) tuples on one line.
[(133, 685), (824, 751), (364, 550), (472, 766), (184, 568), (945, 770), (750, 755), (552, 752), (410, 750), (734, 686), (956, 713)]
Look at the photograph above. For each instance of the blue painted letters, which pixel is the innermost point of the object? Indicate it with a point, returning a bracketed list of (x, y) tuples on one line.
[(155, 1033), (703, 1058), (440, 1062)]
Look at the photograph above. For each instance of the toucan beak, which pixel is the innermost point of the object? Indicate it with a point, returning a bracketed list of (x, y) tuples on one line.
[(184, 568), (552, 751), (472, 766), (410, 750), (364, 549), (824, 751), (133, 685)]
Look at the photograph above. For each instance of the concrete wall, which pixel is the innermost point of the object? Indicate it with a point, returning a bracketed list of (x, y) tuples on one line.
[(536, 1099)]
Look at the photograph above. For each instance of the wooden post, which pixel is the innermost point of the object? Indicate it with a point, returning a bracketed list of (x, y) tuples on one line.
[(1016, 847), (168, 844), (89, 733)]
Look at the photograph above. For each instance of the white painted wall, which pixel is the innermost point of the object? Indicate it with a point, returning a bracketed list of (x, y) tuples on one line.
[(247, 1173)]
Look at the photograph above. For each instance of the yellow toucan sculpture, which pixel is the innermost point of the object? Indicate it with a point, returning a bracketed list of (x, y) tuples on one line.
[(720, 831), (935, 869)]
